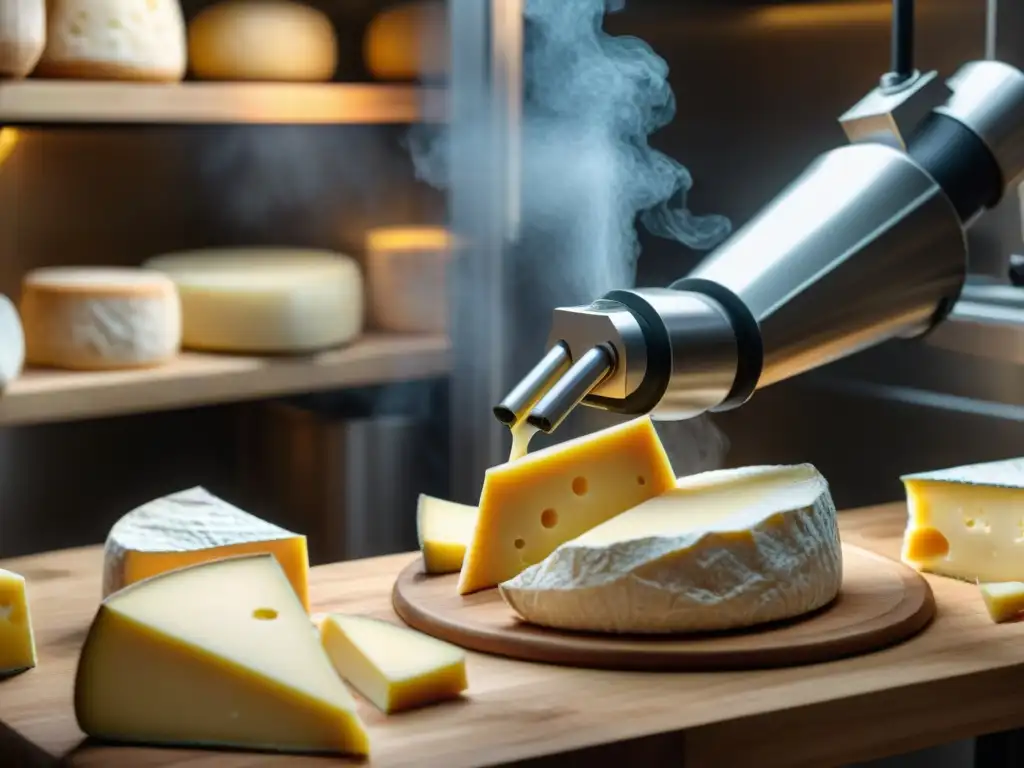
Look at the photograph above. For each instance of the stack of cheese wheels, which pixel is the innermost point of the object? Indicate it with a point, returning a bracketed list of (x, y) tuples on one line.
[(265, 300), (114, 40), (97, 318), (22, 36), (262, 40), (408, 41)]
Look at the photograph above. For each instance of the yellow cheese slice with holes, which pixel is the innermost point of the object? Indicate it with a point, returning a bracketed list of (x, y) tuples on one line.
[(530, 506), (1005, 601), (17, 644), (445, 529)]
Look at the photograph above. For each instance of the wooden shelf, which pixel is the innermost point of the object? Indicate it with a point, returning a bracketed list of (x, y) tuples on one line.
[(196, 379), (74, 102)]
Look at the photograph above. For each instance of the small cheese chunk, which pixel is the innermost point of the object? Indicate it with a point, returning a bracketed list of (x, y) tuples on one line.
[(97, 318), (266, 300), (445, 529), (1005, 601), (218, 654), (726, 549), (22, 36), (12, 343), (191, 527), (967, 522), (394, 667), (530, 506), (114, 40), (17, 643)]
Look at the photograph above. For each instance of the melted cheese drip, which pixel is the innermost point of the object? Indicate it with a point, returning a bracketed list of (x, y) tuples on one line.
[(522, 434)]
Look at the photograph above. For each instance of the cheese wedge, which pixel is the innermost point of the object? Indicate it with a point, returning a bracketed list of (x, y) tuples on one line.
[(1005, 601), (530, 506), (219, 654), (17, 643), (396, 668), (726, 549), (445, 529), (191, 527), (967, 522)]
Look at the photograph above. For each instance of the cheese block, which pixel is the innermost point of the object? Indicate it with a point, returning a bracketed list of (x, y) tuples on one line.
[(445, 529), (408, 41), (98, 318), (191, 527), (17, 643), (530, 506), (266, 300), (262, 40), (394, 667), (114, 40), (218, 654), (967, 522), (22, 36), (12, 342), (1005, 601), (724, 550)]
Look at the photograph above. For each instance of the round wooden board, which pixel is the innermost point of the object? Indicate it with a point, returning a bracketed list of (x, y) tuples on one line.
[(882, 602)]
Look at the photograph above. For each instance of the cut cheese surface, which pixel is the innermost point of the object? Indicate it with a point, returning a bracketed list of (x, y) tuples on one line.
[(12, 342), (97, 318), (1005, 601), (725, 549), (445, 529), (218, 654), (396, 668), (967, 522), (17, 643), (530, 506), (265, 300), (191, 527)]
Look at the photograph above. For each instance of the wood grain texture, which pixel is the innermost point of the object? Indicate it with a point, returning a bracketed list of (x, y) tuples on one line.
[(882, 602), (961, 676)]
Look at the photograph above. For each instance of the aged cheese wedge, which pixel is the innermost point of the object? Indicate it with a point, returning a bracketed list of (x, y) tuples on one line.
[(1005, 601), (530, 506), (396, 668), (967, 522), (218, 654), (17, 643), (445, 529), (726, 549), (191, 527)]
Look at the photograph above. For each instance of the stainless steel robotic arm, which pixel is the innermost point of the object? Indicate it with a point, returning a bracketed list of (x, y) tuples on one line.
[(866, 245)]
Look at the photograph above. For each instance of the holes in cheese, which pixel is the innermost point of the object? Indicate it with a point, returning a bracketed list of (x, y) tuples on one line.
[(965, 522), (17, 642), (1004, 602), (510, 532), (183, 659), (445, 529), (725, 549)]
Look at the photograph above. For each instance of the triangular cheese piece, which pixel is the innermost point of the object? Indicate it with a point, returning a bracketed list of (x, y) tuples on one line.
[(218, 654), (17, 643), (445, 529)]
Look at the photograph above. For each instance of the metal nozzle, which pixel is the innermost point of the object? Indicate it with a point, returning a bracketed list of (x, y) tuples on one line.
[(568, 391), (517, 403)]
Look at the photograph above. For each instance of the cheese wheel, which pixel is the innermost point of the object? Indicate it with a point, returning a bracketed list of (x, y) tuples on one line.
[(22, 36), (262, 40), (12, 342), (114, 40), (406, 268), (266, 300), (97, 318), (407, 42)]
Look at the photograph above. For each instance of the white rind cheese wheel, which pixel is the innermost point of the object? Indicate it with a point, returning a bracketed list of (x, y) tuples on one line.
[(114, 40), (725, 550), (22, 36), (98, 318), (262, 40), (266, 300), (12, 342)]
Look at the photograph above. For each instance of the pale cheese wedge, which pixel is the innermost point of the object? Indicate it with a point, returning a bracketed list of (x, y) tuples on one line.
[(445, 529), (725, 549), (530, 506), (396, 668), (17, 642), (1005, 601), (219, 654)]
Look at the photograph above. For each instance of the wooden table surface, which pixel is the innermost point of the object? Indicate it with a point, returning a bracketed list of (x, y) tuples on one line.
[(962, 676)]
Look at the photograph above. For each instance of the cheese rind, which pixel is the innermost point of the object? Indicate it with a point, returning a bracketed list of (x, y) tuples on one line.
[(219, 654), (99, 318), (726, 549), (530, 506), (1005, 601), (396, 668), (192, 527), (445, 529), (967, 522), (17, 641)]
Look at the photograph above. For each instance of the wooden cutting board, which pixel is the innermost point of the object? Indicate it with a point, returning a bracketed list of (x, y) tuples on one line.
[(881, 603)]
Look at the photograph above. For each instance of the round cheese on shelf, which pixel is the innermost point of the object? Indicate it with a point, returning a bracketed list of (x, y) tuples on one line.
[(22, 36), (114, 40), (262, 40), (98, 318), (727, 549), (406, 268), (12, 342), (408, 41), (266, 300)]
